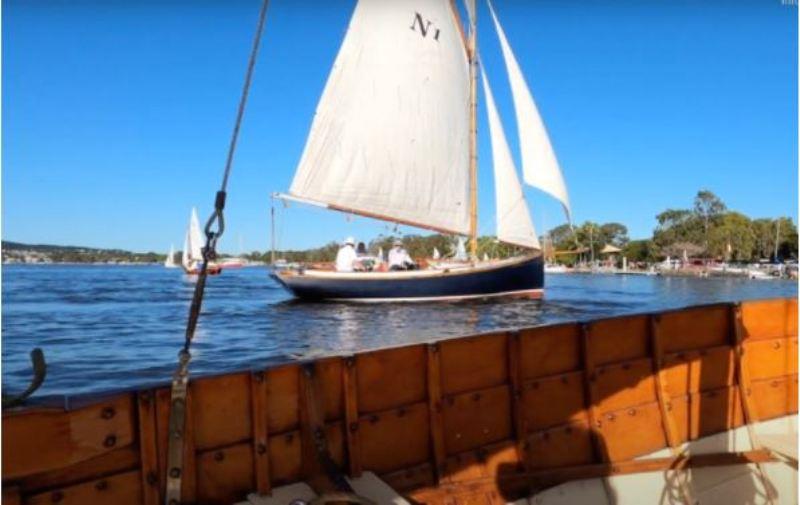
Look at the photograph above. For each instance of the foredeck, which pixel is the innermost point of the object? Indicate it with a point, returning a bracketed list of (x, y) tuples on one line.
[(480, 419)]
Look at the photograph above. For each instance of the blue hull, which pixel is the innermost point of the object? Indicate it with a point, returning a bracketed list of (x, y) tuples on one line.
[(520, 277)]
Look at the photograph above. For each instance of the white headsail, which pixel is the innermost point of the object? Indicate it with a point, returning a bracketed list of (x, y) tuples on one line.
[(514, 225), (390, 136), (195, 238), (185, 253), (539, 164)]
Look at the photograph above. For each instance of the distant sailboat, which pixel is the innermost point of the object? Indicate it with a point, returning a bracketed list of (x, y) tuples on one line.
[(192, 254), (394, 138), (436, 254), (170, 261)]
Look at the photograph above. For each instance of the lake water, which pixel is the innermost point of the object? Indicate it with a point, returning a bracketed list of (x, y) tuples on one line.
[(113, 327)]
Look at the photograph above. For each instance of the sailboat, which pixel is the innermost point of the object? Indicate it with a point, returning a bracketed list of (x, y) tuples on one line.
[(394, 138), (192, 254), (170, 261)]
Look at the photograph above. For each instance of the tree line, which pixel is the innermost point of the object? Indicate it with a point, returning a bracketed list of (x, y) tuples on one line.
[(708, 229)]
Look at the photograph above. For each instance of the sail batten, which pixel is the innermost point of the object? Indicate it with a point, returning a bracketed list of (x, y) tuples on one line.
[(540, 166), (390, 136), (514, 224)]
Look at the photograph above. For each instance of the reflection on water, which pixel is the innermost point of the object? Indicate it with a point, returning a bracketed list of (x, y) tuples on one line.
[(118, 327)]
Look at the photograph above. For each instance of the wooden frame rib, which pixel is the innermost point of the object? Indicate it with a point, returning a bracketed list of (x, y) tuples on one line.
[(350, 388), (148, 447), (258, 403), (435, 410), (662, 392)]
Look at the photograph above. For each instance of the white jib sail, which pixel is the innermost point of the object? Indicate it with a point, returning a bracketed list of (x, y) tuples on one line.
[(514, 224), (185, 254), (390, 136), (540, 167), (195, 238)]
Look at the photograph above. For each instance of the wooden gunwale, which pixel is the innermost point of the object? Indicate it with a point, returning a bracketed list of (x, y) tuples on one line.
[(471, 415)]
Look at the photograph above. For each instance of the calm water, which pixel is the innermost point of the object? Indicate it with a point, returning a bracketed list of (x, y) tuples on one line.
[(107, 328)]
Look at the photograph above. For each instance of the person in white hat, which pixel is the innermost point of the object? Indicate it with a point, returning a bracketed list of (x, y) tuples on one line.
[(346, 257), (399, 258)]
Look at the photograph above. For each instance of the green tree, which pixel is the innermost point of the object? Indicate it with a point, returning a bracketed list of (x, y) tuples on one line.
[(708, 207), (732, 237)]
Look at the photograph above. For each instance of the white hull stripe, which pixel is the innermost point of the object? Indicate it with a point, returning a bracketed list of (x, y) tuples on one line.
[(538, 292)]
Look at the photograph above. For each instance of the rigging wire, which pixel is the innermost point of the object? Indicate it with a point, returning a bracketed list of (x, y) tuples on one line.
[(177, 419)]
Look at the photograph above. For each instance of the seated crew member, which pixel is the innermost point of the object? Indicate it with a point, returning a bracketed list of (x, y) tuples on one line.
[(346, 257), (399, 258)]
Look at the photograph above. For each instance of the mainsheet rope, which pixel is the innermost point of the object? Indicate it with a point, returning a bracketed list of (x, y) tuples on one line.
[(177, 419)]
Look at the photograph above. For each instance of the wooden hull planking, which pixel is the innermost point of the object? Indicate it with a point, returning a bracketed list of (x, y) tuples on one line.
[(490, 417), (517, 277)]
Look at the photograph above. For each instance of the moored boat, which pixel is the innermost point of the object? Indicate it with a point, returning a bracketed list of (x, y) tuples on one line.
[(697, 405), (405, 151)]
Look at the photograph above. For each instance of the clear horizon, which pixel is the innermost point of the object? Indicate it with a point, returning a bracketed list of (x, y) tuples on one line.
[(117, 116)]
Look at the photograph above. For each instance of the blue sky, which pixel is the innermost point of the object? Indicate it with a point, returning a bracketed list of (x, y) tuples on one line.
[(117, 115)]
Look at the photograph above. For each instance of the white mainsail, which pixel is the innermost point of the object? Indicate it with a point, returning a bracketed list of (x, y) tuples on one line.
[(514, 224), (539, 164), (195, 238), (390, 136)]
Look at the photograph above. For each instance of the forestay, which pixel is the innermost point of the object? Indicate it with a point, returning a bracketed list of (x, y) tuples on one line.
[(539, 164), (514, 225), (390, 135)]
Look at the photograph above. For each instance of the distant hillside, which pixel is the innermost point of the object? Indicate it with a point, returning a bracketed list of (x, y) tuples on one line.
[(16, 252)]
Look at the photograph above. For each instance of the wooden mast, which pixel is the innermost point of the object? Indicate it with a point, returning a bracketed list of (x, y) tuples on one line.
[(473, 131)]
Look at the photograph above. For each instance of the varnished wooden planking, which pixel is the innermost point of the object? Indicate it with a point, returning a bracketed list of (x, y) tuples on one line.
[(715, 411), (120, 489), (619, 339), (395, 439), (41, 441), (774, 397), (550, 350), (285, 458), (773, 357), (554, 400), (476, 418), (260, 442), (565, 445), (221, 401), (117, 461), (283, 392), (768, 319), (624, 384), (329, 376), (473, 363), (680, 410), (632, 431), (693, 371), (225, 475), (148, 447), (791, 317), (11, 495), (390, 378), (695, 328)]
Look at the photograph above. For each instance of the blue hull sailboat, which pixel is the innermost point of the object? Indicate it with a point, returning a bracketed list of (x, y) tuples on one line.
[(394, 138)]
